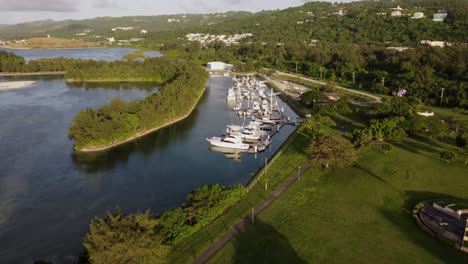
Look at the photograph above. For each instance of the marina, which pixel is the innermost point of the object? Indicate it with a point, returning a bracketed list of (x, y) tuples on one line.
[(42, 181), (262, 117)]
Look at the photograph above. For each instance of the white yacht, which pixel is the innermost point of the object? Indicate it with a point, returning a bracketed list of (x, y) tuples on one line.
[(237, 107), (268, 121), (247, 135), (265, 104), (231, 96), (230, 142), (256, 106)]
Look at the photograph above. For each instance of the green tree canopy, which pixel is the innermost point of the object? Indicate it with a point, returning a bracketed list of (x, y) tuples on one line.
[(332, 151)]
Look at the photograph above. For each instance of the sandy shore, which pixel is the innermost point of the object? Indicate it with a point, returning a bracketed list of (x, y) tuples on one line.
[(15, 84), (31, 73)]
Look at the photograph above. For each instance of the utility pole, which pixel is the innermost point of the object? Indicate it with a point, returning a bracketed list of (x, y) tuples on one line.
[(296, 66), (383, 81), (314, 104), (354, 78), (320, 73), (442, 96), (253, 215)]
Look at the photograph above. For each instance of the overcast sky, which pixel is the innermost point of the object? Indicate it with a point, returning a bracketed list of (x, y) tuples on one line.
[(17, 11)]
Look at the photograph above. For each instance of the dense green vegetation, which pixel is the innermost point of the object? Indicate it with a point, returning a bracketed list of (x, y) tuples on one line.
[(144, 238), (118, 120), (150, 69)]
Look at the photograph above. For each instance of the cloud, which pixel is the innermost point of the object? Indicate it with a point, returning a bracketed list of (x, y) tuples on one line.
[(233, 2), (106, 4), (39, 5)]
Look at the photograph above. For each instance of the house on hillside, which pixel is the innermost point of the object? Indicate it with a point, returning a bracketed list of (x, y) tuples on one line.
[(418, 15), (439, 17), (219, 66)]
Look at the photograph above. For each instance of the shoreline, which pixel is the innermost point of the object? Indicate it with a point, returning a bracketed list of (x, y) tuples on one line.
[(143, 133), (109, 81), (31, 73), (30, 48), (15, 85)]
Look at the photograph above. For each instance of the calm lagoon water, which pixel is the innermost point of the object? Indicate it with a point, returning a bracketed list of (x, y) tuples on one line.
[(105, 54), (49, 193)]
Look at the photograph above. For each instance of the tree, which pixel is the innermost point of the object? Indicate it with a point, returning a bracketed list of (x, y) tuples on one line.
[(447, 156), (332, 150), (309, 97), (339, 107), (125, 239), (315, 124), (427, 126), (386, 148), (362, 138), (387, 128)]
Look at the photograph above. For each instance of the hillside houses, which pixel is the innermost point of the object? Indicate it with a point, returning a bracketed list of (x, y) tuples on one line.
[(226, 39)]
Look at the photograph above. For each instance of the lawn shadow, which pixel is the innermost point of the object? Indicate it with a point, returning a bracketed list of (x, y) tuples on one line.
[(417, 148), (403, 220), (262, 243), (377, 177)]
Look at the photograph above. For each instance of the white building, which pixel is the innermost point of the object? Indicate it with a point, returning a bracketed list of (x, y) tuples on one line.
[(144, 31), (395, 13), (400, 49), (439, 17), (339, 13), (111, 40), (219, 66), (432, 43), (418, 15)]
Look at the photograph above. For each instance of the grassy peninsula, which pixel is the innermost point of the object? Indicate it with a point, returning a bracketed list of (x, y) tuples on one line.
[(52, 43), (118, 121)]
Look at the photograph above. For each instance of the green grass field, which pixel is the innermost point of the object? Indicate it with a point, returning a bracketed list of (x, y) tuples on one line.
[(360, 214)]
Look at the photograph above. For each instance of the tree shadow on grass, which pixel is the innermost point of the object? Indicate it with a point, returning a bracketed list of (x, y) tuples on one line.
[(261, 243), (382, 180), (402, 219), (417, 148)]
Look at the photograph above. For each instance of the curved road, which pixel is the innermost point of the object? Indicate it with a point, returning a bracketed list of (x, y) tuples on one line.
[(377, 99)]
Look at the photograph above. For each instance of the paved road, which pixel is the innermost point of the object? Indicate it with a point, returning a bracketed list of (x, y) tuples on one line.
[(219, 244), (377, 99)]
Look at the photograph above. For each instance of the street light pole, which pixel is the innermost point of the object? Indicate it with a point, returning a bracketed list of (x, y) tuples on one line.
[(442, 96)]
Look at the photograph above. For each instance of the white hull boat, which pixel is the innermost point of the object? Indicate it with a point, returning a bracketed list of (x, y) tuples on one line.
[(229, 142)]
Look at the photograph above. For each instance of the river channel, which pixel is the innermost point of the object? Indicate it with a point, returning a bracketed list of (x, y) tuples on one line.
[(49, 193)]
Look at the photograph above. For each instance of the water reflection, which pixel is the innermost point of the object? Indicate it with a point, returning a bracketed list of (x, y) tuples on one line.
[(233, 154)]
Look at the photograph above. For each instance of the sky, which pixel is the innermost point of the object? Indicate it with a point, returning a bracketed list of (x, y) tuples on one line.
[(18, 11)]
